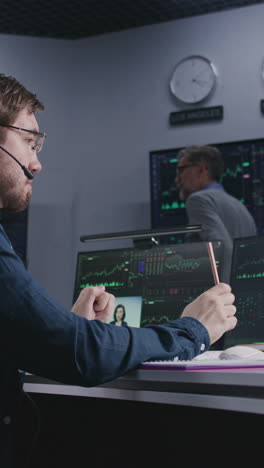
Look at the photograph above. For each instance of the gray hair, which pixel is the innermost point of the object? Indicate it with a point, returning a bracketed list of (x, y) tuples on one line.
[(209, 155)]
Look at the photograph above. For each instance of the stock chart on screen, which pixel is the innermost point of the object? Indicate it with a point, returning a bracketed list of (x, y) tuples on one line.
[(247, 281), (163, 278)]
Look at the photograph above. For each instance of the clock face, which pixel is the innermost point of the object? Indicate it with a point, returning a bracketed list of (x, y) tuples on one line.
[(193, 79)]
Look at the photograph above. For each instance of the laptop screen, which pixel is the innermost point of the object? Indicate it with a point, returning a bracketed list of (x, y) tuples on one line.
[(151, 286), (247, 282)]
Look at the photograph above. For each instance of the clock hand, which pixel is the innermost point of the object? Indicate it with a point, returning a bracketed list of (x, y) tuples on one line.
[(199, 82)]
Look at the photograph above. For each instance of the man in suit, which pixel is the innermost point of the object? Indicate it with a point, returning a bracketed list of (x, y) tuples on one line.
[(222, 216)]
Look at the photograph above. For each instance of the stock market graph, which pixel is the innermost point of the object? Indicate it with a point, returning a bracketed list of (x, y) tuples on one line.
[(166, 277), (118, 270), (243, 178), (247, 281)]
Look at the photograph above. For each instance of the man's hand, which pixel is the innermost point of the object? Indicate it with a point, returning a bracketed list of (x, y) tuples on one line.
[(95, 303), (215, 310)]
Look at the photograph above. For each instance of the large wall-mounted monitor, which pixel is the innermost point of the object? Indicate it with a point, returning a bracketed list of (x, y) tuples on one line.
[(243, 178)]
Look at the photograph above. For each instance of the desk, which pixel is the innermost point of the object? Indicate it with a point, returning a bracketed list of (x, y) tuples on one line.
[(149, 414), (230, 390)]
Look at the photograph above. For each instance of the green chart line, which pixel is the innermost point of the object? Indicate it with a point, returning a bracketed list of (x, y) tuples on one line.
[(233, 173), (105, 272)]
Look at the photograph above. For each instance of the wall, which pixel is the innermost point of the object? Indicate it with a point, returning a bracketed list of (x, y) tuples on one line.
[(108, 101), (124, 104), (44, 66)]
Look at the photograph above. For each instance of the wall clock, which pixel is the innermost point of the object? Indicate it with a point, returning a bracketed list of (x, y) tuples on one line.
[(194, 79)]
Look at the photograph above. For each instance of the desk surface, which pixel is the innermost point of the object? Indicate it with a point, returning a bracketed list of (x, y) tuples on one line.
[(230, 390)]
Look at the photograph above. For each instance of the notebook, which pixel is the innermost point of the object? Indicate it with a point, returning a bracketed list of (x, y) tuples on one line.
[(209, 360)]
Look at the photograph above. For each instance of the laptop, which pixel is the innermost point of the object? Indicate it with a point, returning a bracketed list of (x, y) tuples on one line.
[(152, 285)]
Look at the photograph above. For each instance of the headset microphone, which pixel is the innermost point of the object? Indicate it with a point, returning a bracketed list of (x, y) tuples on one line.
[(27, 173)]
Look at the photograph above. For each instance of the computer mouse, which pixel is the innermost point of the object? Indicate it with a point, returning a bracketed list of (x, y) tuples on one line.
[(241, 352)]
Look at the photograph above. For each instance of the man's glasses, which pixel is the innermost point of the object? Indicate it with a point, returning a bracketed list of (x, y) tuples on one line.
[(40, 137), (180, 169)]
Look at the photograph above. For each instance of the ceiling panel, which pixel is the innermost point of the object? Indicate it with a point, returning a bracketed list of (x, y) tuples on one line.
[(74, 19)]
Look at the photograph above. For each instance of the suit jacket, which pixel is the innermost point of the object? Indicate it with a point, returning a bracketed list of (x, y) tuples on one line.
[(40, 336), (223, 218)]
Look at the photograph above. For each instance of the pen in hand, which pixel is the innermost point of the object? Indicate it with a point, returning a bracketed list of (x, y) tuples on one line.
[(212, 261)]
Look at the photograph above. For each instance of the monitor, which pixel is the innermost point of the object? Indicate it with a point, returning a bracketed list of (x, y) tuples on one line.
[(247, 282), (243, 178), (155, 284)]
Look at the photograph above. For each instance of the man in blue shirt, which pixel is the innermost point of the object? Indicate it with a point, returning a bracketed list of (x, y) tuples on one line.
[(222, 216), (40, 336)]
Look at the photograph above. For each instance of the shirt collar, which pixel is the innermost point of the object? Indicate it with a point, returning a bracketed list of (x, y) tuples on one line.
[(214, 185)]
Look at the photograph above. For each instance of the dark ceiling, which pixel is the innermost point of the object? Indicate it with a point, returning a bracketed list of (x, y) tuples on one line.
[(74, 19)]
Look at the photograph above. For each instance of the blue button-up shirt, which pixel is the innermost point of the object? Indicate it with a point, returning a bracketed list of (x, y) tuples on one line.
[(40, 336)]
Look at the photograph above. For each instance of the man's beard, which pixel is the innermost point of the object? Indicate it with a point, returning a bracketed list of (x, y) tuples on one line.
[(181, 194), (16, 203), (11, 193)]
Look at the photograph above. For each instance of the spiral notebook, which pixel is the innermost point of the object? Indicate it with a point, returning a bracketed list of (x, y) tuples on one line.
[(207, 361)]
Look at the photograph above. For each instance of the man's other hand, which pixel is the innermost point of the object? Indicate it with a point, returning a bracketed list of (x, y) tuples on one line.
[(94, 303)]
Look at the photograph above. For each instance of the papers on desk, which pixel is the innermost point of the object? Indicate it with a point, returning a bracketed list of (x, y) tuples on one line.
[(256, 345), (207, 361)]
